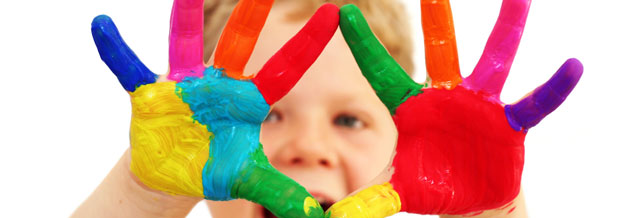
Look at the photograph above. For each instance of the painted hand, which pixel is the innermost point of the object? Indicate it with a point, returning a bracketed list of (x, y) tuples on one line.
[(176, 119), (459, 149)]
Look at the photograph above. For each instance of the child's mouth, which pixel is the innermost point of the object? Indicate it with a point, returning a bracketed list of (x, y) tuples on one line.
[(267, 213), (324, 204)]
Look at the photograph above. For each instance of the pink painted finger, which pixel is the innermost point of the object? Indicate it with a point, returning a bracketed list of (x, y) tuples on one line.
[(288, 65), (186, 39), (492, 70)]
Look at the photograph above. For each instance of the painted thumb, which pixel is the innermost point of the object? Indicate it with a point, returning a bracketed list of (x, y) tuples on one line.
[(278, 193), (379, 199)]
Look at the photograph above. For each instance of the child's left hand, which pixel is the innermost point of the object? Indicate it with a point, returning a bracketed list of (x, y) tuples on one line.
[(460, 149)]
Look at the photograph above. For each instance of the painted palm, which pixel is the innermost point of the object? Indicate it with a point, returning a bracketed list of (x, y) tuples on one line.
[(196, 132), (460, 149)]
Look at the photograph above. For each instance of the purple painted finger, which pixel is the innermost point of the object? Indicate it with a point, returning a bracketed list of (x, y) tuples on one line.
[(492, 70), (545, 99), (186, 40)]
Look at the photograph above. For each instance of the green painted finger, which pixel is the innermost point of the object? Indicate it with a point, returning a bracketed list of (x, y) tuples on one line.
[(390, 82), (281, 195)]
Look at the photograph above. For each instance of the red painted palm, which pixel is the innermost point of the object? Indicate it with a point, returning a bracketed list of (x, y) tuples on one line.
[(460, 149)]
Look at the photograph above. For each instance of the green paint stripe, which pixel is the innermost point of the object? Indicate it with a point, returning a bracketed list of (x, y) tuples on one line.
[(281, 195)]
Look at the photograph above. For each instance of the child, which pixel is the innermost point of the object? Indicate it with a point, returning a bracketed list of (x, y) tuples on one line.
[(330, 133), (123, 194)]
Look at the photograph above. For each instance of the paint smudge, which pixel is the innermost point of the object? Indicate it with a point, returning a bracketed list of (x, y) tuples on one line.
[(507, 205), (473, 214)]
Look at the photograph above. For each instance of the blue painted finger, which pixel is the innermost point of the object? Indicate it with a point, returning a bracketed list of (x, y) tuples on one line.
[(545, 99), (130, 71)]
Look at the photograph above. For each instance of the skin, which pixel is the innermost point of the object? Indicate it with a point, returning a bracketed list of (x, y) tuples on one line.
[(121, 194)]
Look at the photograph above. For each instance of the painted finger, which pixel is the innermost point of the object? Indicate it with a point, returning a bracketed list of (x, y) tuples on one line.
[(130, 71), (545, 99), (288, 65), (492, 70), (240, 35), (390, 82), (441, 54), (276, 192), (375, 201), (186, 40)]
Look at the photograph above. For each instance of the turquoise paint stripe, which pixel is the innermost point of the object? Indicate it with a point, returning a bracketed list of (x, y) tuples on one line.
[(233, 111)]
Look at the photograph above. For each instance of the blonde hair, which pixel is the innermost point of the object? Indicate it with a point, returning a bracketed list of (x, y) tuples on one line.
[(387, 18)]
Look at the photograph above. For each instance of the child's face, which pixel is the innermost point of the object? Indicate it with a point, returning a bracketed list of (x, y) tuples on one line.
[(331, 134)]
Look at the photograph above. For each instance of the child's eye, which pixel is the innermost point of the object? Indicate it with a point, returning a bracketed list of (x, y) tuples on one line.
[(348, 121), (272, 117)]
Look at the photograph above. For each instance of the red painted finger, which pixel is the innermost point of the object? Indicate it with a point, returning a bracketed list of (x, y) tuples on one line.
[(186, 39), (288, 65)]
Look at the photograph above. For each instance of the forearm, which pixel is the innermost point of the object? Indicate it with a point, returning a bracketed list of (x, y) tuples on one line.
[(515, 209), (121, 194)]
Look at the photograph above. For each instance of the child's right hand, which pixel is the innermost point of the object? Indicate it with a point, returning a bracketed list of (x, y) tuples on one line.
[(459, 149), (196, 132)]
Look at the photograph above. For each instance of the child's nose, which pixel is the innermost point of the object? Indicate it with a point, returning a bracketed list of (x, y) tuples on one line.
[(308, 150)]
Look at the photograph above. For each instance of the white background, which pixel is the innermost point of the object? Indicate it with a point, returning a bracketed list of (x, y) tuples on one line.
[(64, 118)]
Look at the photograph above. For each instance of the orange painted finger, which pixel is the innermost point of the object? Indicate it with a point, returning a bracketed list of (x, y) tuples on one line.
[(240, 35), (441, 54)]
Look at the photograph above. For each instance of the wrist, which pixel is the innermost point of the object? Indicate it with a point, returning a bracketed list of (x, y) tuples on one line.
[(121, 194), (149, 201), (514, 209)]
